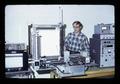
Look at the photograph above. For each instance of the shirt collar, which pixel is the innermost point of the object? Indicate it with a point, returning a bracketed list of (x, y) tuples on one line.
[(80, 33)]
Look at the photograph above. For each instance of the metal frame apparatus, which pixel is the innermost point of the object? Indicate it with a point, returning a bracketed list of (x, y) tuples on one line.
[(34, 38)]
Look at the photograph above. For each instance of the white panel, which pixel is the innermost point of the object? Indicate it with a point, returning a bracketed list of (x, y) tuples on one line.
[(15, 55), (50, 42)]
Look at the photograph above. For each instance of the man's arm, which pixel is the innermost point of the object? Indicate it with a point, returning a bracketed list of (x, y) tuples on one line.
[(66, 43), (86, 44)]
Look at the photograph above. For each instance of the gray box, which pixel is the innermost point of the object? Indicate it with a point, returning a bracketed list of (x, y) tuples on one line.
[(104, 28), (70, 71)]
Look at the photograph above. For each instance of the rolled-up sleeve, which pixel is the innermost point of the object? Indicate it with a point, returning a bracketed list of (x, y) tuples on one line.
[(86, 44), (66, 43)]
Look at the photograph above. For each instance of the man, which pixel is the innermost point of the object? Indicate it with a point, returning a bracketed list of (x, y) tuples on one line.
[(76, 41)]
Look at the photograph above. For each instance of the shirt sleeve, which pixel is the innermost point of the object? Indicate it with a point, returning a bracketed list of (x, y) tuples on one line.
[(66, 43), (86, 44)]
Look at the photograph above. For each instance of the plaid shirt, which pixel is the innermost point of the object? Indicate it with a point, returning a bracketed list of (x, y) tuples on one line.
[(76, 43)]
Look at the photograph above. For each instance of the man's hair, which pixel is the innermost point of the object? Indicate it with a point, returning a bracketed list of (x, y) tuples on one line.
[(78, 22)]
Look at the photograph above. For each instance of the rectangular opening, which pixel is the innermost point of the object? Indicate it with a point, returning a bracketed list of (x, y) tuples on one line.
[(50, 42)]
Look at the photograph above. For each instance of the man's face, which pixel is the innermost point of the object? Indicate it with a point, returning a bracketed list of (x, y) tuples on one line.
[(76, 27)]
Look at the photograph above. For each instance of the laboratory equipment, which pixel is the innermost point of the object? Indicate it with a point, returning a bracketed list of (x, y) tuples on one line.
[(102, 45), (16, 60)]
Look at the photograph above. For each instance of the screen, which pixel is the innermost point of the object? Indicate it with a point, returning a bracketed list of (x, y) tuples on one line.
[(104, 28), (109, 46), (13, 60)]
